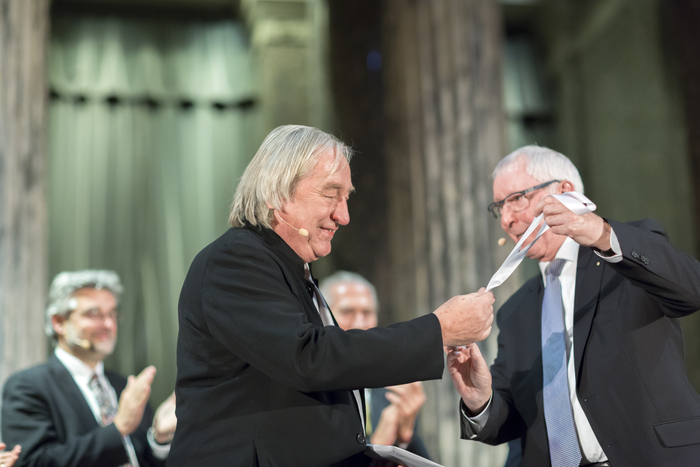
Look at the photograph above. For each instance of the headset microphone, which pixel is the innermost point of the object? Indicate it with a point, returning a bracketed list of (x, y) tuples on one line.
[(82, 343), (302, 232)]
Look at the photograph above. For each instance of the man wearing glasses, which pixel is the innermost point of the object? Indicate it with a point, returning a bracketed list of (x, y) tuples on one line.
[(70, 411), (590, 367)]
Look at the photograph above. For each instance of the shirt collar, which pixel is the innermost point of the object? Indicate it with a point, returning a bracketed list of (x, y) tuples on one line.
[(567, 251), (79, 370)]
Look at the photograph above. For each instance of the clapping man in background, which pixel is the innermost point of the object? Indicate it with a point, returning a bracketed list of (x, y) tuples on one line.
[(391, 411), (70, 411)]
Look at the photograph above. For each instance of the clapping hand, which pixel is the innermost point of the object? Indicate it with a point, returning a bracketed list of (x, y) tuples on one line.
[(8, 458), (165, 421)]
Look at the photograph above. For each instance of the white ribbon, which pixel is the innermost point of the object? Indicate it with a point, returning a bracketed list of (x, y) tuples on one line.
[(572, 200)]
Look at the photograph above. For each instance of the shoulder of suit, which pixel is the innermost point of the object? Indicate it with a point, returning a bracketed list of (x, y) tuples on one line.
[(32, 374)]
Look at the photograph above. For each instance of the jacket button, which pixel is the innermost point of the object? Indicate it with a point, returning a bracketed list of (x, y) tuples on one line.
[(360, 438)]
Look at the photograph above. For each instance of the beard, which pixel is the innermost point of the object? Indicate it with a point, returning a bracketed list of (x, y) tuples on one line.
[(102, 346)]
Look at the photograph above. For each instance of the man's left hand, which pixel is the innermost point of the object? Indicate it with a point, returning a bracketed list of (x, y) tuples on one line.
[(587, 230), (165, 421), (408, 398)]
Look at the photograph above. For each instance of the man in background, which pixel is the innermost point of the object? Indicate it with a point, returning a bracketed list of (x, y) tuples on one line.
[(392, 411), (70, 411), (590, 367)]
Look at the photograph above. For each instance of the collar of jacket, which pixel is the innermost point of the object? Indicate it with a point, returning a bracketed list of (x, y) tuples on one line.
[(276, 243)]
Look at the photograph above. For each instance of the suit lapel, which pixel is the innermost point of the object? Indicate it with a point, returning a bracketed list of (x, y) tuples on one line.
[(66, 385), (589, 274)]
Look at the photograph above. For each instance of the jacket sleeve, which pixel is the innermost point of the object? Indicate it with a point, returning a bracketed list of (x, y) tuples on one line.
[(651, 262), (255, 308)]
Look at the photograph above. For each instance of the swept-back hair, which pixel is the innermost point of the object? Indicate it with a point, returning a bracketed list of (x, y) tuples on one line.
[(542, 164), (287, 156), (65, 284), (344, 277)]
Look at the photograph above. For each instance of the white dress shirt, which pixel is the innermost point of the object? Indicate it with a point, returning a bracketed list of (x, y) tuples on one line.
[(590, 447)]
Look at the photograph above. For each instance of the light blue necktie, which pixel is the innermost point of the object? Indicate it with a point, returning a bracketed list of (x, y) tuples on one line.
[(563, 443)]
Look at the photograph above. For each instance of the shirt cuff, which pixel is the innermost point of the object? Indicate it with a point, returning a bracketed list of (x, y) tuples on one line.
[(478, 422), (160, 451), (616, 257)]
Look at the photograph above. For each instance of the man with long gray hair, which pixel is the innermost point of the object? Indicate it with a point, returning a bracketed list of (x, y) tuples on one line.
[(265, 375), (70, 411), (590, 367)]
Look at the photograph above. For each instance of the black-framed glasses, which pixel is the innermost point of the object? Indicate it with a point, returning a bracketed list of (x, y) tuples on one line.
[(517, 201), (95, 314)]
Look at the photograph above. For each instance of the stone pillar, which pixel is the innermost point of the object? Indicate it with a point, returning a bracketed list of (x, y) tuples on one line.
[(23, 220), (444, 137), (289, 44)]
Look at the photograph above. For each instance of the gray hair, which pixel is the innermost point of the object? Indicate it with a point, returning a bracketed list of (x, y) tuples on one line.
[(542, 164), (287, 156), (65, 284), (346, 276)]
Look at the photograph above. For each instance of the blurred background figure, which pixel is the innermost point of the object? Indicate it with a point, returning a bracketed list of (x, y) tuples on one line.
[(70, 411), (392, 412)]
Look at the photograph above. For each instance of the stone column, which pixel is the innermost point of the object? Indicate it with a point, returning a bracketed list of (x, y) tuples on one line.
[(23, 220), (289, 44), (444, 137)]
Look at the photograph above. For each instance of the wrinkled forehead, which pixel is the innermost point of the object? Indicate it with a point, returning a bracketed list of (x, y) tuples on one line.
[(352, 290), (93, 295)]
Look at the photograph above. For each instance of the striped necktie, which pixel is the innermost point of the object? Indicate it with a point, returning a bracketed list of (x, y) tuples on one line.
[(564, 448), (108, 411)]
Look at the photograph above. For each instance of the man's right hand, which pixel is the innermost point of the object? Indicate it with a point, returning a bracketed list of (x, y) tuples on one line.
[(466, 319), (471, 377), (133, 401)]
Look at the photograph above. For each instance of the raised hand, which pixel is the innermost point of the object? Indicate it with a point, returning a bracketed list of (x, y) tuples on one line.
[(408, 399), (466, 319), (387, 428), (588, 229), (133, 401), (471, 376), (165, 421), (8, 458)]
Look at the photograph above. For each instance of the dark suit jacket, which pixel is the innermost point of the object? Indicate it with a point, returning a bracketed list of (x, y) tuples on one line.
[(44, 411), (628, 352), (380, 402), (260, 380)]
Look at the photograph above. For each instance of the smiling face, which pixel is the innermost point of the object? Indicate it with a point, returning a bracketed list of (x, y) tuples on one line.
[(319, 206), (94, 318), (512, 179)]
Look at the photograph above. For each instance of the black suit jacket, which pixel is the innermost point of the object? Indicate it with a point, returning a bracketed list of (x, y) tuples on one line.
[(260, 380), (628, 351), (44, 411)]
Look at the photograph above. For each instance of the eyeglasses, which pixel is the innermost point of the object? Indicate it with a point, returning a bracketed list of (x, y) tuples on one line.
[(517, 201), (94, 314)]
